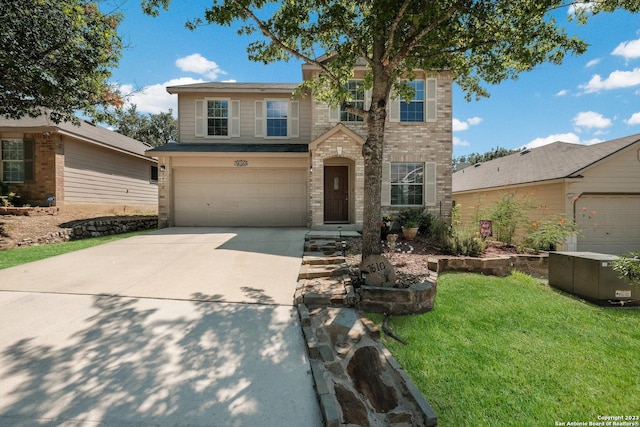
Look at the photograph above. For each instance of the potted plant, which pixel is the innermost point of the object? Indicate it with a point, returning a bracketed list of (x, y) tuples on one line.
[(410, 229), (385, 226)]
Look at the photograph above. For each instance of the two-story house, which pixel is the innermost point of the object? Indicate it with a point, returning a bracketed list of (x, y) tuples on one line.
[(249, 154)]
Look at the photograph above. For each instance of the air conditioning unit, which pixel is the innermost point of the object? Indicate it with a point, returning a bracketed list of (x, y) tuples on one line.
[(589, 275)]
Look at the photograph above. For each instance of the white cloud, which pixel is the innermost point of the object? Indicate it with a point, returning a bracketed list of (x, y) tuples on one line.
[(459, 125), (616, 80), (155, 99), (563, 92), (586, 6), (634, 119), (592, 63), (571, 138), (591, 120), (198, 64), (628, 50), (460, 143)]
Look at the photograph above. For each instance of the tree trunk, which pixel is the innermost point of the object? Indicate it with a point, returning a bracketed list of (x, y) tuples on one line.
[(372, 152)]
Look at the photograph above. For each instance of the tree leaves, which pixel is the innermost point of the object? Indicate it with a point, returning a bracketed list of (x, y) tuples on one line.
[(56, 56)]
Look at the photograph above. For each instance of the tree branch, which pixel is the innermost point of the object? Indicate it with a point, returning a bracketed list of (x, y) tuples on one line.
[(413, 40), (393, 28), (273, 37)]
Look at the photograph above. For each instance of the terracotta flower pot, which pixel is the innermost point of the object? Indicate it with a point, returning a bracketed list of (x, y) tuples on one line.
[(410, 233)]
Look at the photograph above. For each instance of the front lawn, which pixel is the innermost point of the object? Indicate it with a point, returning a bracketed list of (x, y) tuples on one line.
[(13, 257), (512, 351)]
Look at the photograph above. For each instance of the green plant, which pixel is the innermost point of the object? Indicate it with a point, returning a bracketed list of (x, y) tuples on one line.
[(415, 218), (507, 214), (460, 240), (628, 267), (524, 342), (547, 235)]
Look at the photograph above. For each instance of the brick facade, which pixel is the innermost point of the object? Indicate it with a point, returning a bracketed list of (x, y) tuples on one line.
[(48, 165), (425, 142)]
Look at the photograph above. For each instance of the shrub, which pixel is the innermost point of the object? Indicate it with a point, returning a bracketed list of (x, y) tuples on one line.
[(628, 267), (507, 215), (547, 235), (455, 239), (415, 217)]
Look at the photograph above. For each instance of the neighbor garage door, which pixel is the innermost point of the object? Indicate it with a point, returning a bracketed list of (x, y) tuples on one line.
[(240, 197), (608, 223)]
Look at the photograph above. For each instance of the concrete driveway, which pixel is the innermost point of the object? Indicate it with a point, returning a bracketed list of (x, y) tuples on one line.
[(182, 326)]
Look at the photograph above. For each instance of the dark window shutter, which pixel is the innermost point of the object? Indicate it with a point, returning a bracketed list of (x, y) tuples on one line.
[(29, 156)]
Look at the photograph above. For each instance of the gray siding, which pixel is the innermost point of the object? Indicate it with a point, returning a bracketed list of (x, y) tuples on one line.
[(97, 175)]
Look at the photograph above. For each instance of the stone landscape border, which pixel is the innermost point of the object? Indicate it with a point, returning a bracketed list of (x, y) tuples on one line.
[(96, 227)]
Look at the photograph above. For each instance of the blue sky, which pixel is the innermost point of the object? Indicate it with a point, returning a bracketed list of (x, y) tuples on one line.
[(589, 98)]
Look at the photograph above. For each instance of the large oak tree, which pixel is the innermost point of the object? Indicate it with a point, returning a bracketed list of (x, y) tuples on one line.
[(479, 41), (56, 57)]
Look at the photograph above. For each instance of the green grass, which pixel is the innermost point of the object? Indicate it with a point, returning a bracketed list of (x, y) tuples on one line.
[(13, 257), (514, 352)]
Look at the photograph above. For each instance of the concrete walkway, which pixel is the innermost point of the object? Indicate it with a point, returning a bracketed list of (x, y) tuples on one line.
[(177, 327)]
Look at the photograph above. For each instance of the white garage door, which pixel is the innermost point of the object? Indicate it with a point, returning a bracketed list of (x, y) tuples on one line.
[(608, 224), (240, 197)]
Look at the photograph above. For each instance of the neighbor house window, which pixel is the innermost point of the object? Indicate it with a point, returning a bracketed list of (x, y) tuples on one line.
[(17, 160), (413, 111), (154, 174), (277, 112), (356, 89), (407, 184), (217, 117)]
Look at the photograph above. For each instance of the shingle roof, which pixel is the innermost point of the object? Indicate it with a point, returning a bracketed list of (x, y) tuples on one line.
[(230, 148), (235, 87), (85, 130), (552, 161)]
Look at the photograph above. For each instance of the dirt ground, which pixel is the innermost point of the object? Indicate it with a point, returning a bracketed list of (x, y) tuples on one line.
[(16, 228), (410, 257)]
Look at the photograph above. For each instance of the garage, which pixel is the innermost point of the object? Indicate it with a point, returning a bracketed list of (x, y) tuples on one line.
[(608, 223), (253, 197)]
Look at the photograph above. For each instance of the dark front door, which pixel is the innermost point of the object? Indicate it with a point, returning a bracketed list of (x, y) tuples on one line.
[(336, 194)]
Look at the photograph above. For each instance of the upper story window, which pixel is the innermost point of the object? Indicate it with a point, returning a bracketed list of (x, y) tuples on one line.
[(413, 111), (277, 118), (217, 118), (423, 106), (17, 160), (356, 89), (277, 112)]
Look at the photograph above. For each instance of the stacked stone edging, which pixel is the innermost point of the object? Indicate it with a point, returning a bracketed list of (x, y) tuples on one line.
[(95, 228), (358, 381), (535, 265)]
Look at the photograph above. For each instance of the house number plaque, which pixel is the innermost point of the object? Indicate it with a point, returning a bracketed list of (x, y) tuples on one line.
[(241, 163)]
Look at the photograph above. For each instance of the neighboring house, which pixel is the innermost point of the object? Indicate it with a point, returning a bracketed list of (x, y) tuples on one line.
[(251, 155), (597, 185), (85, 166)]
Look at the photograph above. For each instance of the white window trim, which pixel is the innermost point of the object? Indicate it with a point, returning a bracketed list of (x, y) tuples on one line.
[(430, 104), (3, 161), (429, 190), (293, 118), (233, 118), (335, 113)]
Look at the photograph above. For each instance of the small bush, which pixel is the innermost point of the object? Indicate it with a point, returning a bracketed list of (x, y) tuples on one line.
[(628, 267), (507, 215), (416, 216), (547, 235)]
